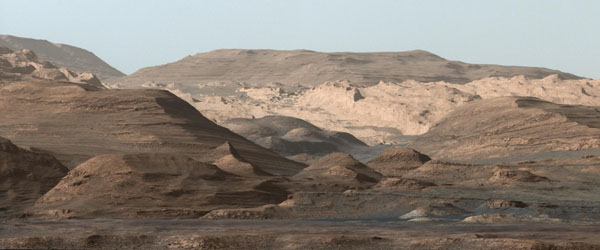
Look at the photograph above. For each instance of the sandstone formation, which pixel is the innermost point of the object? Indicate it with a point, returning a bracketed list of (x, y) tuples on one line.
[(25, 176), (511, 126), (62, 55)]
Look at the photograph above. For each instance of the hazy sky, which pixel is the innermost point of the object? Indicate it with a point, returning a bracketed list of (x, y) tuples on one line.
[(131, 34)]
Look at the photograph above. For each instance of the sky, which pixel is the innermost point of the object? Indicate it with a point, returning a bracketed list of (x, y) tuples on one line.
[(131, 34)]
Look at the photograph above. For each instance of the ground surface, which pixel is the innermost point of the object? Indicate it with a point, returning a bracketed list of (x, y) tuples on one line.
[(293, 234)]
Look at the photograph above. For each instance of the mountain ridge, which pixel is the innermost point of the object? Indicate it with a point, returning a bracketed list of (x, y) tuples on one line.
[(62, 55), (311, 68)]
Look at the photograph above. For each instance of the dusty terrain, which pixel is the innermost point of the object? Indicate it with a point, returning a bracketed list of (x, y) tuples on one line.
[(89, 166)]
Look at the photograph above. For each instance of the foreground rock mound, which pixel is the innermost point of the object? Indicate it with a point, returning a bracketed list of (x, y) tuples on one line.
[(395, 160), (55, 116), (339, 170), (25, 176), (152, 185), (511, 126)]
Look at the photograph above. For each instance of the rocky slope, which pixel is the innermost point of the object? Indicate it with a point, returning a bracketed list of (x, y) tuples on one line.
[(76, 122), (152, 186), (62, 55), (24, 64), (312, 68), (25, 176), (512, 126)]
